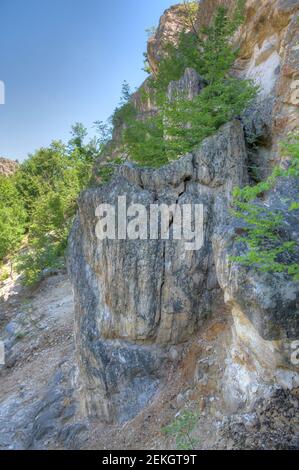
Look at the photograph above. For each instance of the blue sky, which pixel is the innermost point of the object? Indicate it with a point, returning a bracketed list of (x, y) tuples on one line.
[(64, 61)]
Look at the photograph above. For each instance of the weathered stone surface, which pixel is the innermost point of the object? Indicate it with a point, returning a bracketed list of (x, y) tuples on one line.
[(7, 167), (258, 121), (269, 54), (172, 22), (188, 86), (143, 309), (265, 311), (130, 295), (37, 395), (272, 423), (136, 298), (30, 421), (271, 302), (138, 301)]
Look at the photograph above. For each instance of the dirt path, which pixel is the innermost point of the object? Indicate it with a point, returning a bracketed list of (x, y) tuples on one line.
[(36, 393)]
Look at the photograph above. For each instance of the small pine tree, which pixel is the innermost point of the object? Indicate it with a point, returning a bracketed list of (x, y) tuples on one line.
[(267, 250), (49, 182), (186, 123)]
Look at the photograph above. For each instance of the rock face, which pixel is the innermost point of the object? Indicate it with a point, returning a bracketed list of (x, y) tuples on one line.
[(274, 310), (264, 308), (190, 85), (172, 22), (139, 301), (269, 55), (146, 295), (7, 167)]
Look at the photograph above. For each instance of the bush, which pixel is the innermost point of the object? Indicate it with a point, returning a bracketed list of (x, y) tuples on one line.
[(181, 428), (40, 200), (267, 250), (12, 217), (50, 181), (180, 125)]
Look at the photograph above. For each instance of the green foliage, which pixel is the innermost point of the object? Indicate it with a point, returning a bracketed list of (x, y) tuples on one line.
[(4, 275), (50, 181), (267, 250), (125, 110), (124, 114), (40, 201), (41, 171), (208, 50), (189, 122), (106, 170), (181, 124), (12, 217), (79, 133), (144, 141), (176, 59), (181, 428)]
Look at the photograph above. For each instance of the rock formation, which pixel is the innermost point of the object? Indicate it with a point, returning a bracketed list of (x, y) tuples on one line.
[(7, 167), (147, 294), (269, 54), (172, 22), (139, 302)]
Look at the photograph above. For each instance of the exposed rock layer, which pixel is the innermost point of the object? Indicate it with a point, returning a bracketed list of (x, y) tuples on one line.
[(134, 299), (269, 54), (138, 301), (7, 167)]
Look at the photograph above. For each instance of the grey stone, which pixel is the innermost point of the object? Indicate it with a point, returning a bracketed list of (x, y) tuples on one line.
[(73, 435), (189, 86), (11, 328), (269, 300), (287, 5), (135, 298), (258, 122)]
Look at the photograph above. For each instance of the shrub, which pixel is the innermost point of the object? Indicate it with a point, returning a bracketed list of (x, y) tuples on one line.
[(180, 125), (267, 249), (181, 428), (57, 177), (12, 217)]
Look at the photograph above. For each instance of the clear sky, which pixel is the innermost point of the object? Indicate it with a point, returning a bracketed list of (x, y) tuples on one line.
[(64, 61)]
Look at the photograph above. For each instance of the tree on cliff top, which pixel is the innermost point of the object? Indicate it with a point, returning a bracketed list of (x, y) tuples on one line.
[(186, 123)]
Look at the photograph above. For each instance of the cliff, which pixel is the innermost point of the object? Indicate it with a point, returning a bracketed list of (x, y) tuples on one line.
[(7, 167), (150, 314)]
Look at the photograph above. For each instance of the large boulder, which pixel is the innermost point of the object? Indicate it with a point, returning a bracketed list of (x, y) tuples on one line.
[(135, 300)]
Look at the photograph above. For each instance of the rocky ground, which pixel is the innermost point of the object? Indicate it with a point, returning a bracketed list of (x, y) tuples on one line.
[(37, 407), (38, 402)]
